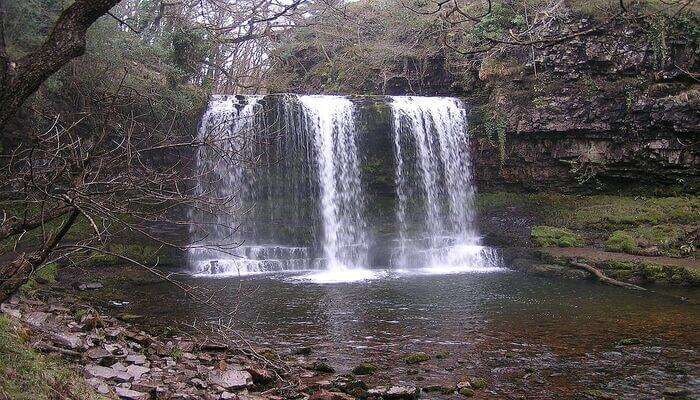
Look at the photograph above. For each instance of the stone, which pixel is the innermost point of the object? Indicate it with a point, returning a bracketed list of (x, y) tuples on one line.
[(261, 376), (327, 395), (11, 311), (67, 340), (97, 371), (138, 359), (36, 319), (128, 394), (323, 368), (416, 358), (91, 286), (198, 383), (228, 396), (468, 392), (365, 369), (97, 353), (118, 366), (136, 371), (478, 383), (441, 388), (402, 393), (230, 379)]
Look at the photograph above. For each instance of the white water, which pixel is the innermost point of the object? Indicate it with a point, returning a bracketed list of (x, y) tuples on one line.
[(230, 127), (440, 177), (345, 239), (310, 181)]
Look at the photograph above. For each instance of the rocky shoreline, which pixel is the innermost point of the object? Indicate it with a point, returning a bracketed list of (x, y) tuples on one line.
[(119, 360)]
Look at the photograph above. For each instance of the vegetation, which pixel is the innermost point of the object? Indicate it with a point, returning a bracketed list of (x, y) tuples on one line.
[(28, 375), (547, 236)]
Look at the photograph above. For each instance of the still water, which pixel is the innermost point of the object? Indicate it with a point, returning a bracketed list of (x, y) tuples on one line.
[(529, 337)]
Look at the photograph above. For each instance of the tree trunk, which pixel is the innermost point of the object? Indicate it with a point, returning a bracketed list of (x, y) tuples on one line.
[(21, 78)]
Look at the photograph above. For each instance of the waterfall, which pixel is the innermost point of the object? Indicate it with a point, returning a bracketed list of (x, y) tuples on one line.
[(287, 176), (232, 127), (331, 118), (434, 131)]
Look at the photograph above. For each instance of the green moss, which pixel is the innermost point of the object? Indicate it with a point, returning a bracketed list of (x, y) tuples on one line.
[(416, 358), (478, 383), (45, 275), (365, 369), (28, 375), (547, 236), (622, 242)]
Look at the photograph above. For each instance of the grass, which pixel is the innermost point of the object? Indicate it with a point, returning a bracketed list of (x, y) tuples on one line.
[(28, 375)]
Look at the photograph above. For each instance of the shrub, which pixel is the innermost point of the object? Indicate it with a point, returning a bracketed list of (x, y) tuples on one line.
[(547, 236)]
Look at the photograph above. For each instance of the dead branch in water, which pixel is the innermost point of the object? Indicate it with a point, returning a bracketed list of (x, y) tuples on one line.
[(603, 278)]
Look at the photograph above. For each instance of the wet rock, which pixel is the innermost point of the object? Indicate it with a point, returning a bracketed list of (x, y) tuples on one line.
[(137, 359), (676, 392), (128, 394), (97, 353), (303, 351), (323, 368), (416, 358), (136, 371), (230, 379), (97, 371), (365, 369), (326, 395), (401, 393), (442, 388), (91, 286), (261, 376)]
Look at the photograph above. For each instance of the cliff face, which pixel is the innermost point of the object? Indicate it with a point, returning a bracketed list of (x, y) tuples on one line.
[(602, 112), (615, 109)]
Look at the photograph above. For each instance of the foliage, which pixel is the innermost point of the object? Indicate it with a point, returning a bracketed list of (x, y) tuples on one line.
[(547, 236), (28, 375)]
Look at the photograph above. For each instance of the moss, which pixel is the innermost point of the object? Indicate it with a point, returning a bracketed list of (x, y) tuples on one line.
[(365, 369), (416, 358), (547, 236), (45, 275), (28, 375), (622, 242), (478, 383)]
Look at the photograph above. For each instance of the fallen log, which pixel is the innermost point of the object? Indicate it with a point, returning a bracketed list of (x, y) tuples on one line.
[(602, 277)]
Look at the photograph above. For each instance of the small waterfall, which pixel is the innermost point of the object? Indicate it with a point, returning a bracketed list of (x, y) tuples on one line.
[(233, 126), (345, 241), (431, 148)]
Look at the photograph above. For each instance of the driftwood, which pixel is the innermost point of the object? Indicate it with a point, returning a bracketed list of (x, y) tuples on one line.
[(602, 278)]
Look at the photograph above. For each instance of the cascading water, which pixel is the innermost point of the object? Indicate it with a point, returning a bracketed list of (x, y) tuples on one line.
[(297, 196), (228, 246), (439, 173), (341, 201)]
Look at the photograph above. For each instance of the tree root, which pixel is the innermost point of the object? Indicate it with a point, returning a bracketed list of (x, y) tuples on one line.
[(602, 278)]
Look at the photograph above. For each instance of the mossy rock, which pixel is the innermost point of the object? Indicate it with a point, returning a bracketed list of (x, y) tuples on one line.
[(547, 236), (365, 369), (622, 242), (467, 392), (416, 358), (323, 368), (478, 383)]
